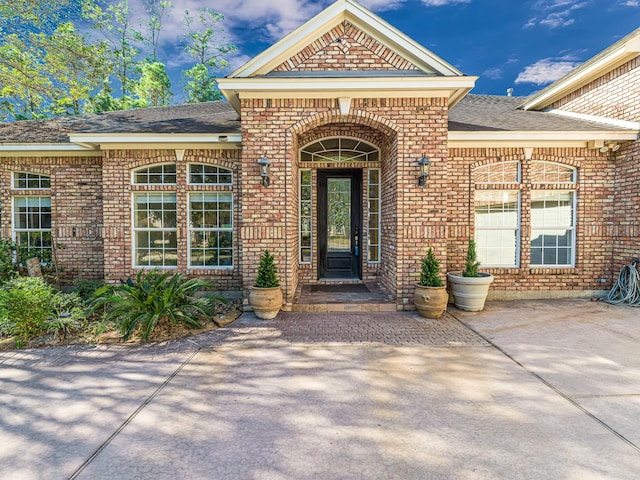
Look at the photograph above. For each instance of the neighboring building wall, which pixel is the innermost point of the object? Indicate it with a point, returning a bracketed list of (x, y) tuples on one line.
[(76, 206), (617, 95), (118, 241), (412, 126), (594, 225)]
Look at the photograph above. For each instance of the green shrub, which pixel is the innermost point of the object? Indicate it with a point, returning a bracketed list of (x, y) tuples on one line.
[(86, 288), (26, 307), (430, 271), (69, 313), (8, 267), (472, 263), (152, 297), (267, 274)]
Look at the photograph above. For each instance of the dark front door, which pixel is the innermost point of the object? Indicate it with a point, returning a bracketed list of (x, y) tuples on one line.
[(339, 223)]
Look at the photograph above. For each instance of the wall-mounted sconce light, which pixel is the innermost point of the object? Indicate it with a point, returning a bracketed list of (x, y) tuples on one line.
[(264, 170), (425, 166)]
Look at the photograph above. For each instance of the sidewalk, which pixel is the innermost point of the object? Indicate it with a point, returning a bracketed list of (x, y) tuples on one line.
[(338, 396)]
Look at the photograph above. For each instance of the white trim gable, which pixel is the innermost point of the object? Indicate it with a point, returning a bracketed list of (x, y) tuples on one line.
[(361, 18)]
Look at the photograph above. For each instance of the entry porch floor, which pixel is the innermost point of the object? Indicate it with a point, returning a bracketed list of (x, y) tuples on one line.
[(342, 297)]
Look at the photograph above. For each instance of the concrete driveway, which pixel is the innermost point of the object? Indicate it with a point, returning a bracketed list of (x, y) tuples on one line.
[(547, 390)]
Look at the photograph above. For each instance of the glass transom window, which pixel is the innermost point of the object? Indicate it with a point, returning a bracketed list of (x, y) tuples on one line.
[(339, 149), (200, 174), (164, 174), (30, 181), (548, 172)]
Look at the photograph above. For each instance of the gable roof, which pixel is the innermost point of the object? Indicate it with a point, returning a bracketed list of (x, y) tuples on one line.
[(612, 57), (360, 17), (425, 74)]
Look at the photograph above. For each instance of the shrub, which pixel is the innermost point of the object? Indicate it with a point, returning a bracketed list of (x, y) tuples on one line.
[(152, 297), (472, 263), (8, 267), (26, 307), (267, 274), (430, 271)]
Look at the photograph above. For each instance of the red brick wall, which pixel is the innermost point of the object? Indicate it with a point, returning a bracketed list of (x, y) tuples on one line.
[(408, 127), (617, 95), (117, 168), (345, 48), (76, 203), (614, 95), (594, 213)]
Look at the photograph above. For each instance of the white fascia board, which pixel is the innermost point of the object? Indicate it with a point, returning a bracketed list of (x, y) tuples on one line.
[(46, 150), (536, 138), (329, 18), (563, 87), (150, 139), (594, 118)]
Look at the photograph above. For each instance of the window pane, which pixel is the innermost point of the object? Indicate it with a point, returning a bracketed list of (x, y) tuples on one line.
[(211, 234), (200, 174), (497, 227), (373, 221), (156, 175), (552, 227)]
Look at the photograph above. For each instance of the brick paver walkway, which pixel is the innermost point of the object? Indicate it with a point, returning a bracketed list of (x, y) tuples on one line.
[(400, 328)]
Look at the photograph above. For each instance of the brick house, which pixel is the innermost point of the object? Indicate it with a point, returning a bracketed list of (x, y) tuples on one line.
[(343, 109)]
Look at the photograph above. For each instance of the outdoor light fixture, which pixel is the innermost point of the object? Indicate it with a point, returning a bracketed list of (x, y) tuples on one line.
[(264, 170), (425, 166)]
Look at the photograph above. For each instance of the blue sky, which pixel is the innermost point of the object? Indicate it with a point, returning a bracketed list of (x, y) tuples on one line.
[(523, 44)]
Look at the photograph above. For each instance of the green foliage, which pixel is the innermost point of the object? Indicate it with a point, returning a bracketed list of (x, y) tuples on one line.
[(154, 86), (152, 297), (69, 313), (201, 85), (26, 306), (267, 273), (86, 288), (8, 267), (472, 263), (429, 273)]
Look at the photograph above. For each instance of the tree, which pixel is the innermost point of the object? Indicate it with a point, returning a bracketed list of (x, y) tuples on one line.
[(114, 23), (203, 45), (154, 86), (156, 10)]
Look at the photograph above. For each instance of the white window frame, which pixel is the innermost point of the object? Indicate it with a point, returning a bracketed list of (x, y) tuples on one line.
[(224, 170), (16, 231), (379, 212), (147, 167), (503, 164), (364, 156), (135, 230), (518, 228), (40, 177), (572, 228), (300, 218), (558, 165), (215, 229)]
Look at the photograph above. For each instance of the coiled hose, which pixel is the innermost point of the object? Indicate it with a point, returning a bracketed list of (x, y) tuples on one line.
[(627, 288)]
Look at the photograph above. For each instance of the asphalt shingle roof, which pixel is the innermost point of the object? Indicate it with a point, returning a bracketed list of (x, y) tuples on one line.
[(472, 113), (208, 117), (476, 113)]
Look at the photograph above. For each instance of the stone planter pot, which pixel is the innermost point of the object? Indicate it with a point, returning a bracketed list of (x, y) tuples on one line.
[(469, 293), (430, 302), (265, 302)]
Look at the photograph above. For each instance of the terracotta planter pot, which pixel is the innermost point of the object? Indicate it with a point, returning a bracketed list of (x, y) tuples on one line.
[(265, 302), (430, 302), (469, 293)]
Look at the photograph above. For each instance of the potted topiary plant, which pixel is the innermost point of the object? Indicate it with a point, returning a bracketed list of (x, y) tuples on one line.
[(470, 287), (430, 297), (265, 298)]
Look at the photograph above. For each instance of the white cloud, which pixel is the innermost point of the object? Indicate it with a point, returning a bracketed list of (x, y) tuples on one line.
[(441, 3), (630, 3), (492, 73), (545, 71), (556, 13), (381, 5)]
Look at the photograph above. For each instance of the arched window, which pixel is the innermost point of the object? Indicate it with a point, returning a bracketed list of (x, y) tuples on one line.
[(163, 174), (30, 181), (201, 174), (553, 214), (339, 149)]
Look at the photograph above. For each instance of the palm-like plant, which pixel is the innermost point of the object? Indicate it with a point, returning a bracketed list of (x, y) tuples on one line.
[(152, 297)]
